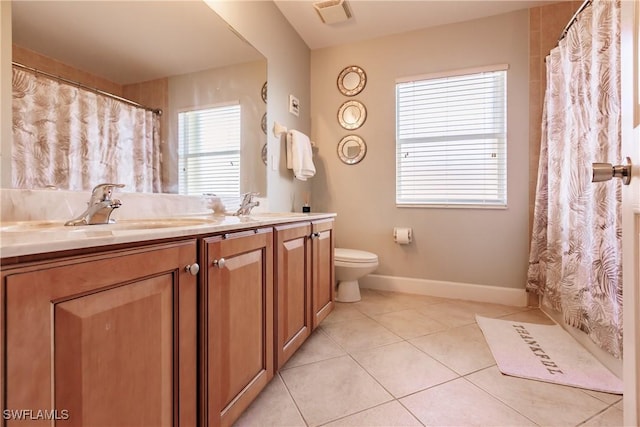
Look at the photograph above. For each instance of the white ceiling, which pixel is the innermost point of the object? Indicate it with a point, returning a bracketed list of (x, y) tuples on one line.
[(377, 18), (138, 40)]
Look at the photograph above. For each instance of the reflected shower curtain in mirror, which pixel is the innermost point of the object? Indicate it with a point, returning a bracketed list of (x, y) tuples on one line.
[(575, 259), (73, 138)]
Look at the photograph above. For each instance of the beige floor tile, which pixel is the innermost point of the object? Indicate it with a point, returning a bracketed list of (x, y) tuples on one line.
[(403, 369), (359, 334), (463, 350), (605, 397), (343, 311), (316, 348), (612, 417), (366, 293), (451, 314), (324, 384), (409, 323), (413, 300), (470, 332), (460, 403), (491, 310), (620, 405), (379, 305), (385, 415), (331, 389), (273, 407), (545, 403), (530, 316)]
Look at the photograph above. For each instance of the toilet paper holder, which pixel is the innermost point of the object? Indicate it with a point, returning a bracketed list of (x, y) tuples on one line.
[(402, 235)]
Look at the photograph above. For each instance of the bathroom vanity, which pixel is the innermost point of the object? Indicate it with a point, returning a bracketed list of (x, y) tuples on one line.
[(174, 321)]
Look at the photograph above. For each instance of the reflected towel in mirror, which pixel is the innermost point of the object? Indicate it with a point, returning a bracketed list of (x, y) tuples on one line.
[(300, 155)]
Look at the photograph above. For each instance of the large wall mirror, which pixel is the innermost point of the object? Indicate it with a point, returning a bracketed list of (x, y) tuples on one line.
[(178, 56)]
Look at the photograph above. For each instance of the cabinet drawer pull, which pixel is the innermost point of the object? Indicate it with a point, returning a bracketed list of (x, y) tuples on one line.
[(219, 263), (315, 235), (192, 268)]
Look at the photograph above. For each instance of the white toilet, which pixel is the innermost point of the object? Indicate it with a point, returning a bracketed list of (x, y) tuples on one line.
[(352, 264)]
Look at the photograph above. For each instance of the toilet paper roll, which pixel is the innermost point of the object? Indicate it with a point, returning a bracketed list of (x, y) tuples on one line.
[(402, 235)]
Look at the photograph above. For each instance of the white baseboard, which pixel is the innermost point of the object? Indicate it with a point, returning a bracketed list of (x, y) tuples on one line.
[(454, 290)]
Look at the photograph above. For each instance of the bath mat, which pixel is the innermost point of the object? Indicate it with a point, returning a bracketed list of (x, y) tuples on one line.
[(545, 353)]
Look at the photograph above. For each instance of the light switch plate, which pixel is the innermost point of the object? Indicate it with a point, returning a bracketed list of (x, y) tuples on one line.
[(294, 105)]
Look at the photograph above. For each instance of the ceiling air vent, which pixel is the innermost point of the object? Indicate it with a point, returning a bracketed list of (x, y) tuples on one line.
[(333, 11)]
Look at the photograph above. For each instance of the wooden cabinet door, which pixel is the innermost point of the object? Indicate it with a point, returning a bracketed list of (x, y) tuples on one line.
[(293, 289), (323, 276), (103, 340), (237, 322)]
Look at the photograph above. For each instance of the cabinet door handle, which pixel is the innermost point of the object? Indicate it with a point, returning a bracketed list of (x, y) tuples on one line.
[(315, 235), (219, 263), (192, 268)]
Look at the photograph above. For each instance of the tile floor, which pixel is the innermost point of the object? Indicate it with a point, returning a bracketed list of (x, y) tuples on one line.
[(406, 360)]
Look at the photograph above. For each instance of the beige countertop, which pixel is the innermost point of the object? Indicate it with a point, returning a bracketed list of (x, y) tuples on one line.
[(20, 238)]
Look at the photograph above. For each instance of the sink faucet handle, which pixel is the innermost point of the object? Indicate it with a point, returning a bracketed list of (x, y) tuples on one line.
[(103, 192), (248, 197), (247, 203)]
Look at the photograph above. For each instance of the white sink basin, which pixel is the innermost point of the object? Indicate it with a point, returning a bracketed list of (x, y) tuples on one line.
[(134, 224)]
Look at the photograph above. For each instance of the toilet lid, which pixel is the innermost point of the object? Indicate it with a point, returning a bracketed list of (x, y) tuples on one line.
[(353, 255)]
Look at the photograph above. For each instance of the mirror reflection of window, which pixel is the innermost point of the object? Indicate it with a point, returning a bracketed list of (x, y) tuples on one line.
[(209, 151)]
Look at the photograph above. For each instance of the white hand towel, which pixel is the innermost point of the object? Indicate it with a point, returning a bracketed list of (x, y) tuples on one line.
[(300, 155)]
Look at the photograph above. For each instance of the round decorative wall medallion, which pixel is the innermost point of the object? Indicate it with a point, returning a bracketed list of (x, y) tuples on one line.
[(352, 149), (352, 80), (352, 114)]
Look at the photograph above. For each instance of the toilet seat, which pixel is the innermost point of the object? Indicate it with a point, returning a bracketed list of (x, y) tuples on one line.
[(354, 256)]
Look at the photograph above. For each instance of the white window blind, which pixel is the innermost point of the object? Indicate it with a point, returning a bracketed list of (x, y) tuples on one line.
[(451, 140), (209, 151)]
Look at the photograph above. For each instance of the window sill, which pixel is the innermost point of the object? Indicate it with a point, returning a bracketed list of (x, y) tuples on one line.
[(451, 206)]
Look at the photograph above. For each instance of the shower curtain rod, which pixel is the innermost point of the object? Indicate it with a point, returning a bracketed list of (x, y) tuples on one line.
[(92, 89), (574, 18)]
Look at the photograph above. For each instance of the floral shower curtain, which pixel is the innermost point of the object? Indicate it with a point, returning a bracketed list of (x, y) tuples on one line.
[(575, 259), (73, 138)]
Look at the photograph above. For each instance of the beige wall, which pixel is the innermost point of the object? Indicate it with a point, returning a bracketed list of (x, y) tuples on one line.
[(262, 25), (487, 247)]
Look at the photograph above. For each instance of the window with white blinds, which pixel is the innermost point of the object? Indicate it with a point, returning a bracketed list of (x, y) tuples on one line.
[(209, 151), (451, 140)]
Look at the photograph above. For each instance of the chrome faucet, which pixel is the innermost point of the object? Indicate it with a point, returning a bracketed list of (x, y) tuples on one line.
[(99, 207), (247, 203)]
